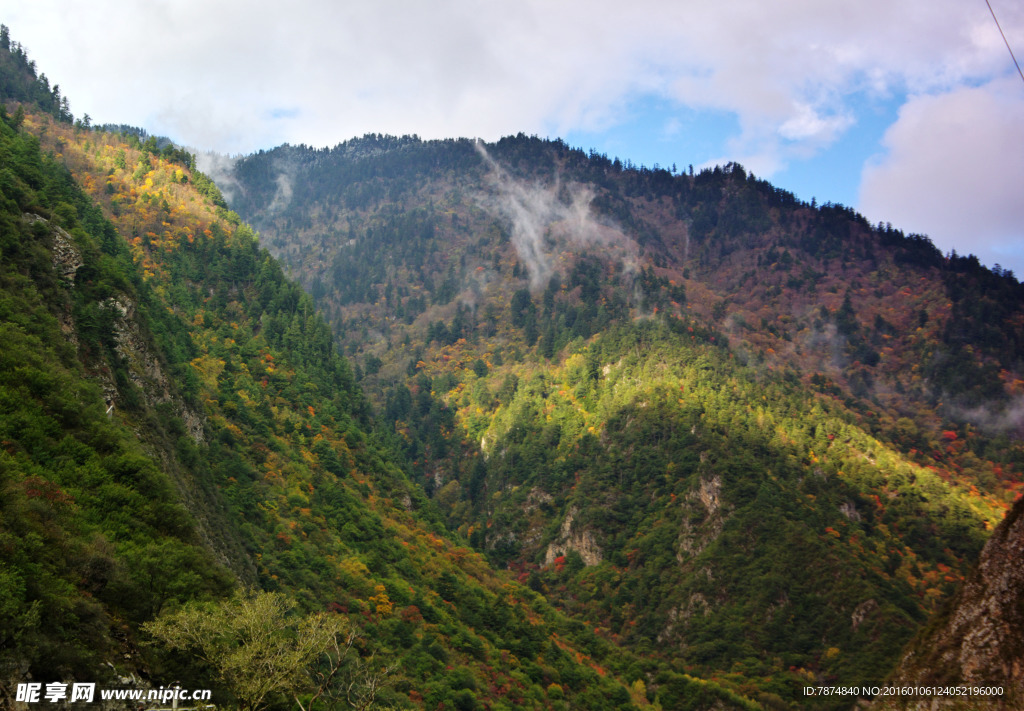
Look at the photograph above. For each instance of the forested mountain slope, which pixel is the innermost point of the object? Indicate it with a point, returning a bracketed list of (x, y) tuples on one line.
[(93, 528), (176, 424), (974, 646), (759, 438), (742, 443)]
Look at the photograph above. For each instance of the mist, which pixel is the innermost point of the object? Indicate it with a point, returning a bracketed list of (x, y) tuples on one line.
[(547, 220), (219, 168), (1006, 418)]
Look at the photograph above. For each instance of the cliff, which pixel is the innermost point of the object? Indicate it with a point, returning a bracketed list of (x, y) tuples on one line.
[(979, 640)]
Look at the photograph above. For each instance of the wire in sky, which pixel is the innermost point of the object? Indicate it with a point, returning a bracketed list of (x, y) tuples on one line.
[(1004, 39)]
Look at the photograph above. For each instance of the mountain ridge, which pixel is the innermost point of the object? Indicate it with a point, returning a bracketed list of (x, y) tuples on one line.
[(660, 400), (279, 451), (972, 645), (491, 297)]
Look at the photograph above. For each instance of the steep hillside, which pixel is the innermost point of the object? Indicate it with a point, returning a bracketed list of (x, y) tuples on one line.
[(727, 445), (175, 423), (246, 456), (974, 648), (751, 436), (93, 529)]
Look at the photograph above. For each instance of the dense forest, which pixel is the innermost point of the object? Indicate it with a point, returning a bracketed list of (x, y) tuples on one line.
[(660, 398), (182, 442), (533, 429)]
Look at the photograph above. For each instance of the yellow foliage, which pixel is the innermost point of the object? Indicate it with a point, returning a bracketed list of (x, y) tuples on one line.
[(381, 602), (354, 568), (638, 692)]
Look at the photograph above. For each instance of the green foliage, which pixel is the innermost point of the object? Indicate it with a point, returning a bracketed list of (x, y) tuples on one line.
[(207, 188), (93, 532), (20, 82), (624, 437), (227, 372), (259, 648), (704, 417)]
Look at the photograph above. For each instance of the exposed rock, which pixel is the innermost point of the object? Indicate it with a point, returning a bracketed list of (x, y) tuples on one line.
[(979, 641), (695, 537), (862, 611), (583, 542), (696, 604), (144, 368), (536, 497), (67, 260), (708, 493), (193, 423), (849, 509)]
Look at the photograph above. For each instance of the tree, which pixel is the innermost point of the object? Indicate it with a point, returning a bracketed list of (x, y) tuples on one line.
[(255, 642), (343, 678)]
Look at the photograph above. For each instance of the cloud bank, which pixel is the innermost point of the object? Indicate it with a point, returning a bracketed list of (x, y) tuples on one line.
[(235, 76), (967, 143), (795, 75)]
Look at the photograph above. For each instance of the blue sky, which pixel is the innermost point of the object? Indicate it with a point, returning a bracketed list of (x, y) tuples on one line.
[(911, 112), (654, 131)]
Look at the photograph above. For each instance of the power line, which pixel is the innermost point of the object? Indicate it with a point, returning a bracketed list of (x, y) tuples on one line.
[(1004, 39)]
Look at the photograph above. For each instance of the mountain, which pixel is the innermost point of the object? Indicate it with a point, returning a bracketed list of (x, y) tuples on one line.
[(177, 426), (731, 431), (93, 520), (605, 436)]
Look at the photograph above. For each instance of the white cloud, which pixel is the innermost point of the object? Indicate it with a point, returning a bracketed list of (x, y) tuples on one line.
[(214, 71), (808, 124), (954, 169), (544, 224), (237, 76)]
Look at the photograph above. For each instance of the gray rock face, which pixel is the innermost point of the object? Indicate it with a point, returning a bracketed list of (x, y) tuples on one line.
[(145, 369), (980, 641), (572, 539), (695, 537)]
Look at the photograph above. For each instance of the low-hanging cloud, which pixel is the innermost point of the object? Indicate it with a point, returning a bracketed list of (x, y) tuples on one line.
[(220, 169), (1005, 417), (954, 171), (547, 220), (283, 195)]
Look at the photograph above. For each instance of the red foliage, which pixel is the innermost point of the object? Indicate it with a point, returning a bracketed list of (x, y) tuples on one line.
[(411, 614), (36, 487)]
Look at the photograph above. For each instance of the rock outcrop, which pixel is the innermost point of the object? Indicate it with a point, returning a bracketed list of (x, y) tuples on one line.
[(570, 538), (703, 519), (979, 641)]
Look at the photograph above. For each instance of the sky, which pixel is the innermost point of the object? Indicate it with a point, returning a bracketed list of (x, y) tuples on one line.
[(910, 111)]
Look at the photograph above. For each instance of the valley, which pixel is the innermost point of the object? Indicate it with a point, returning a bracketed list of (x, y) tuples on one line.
[(531, 427)]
